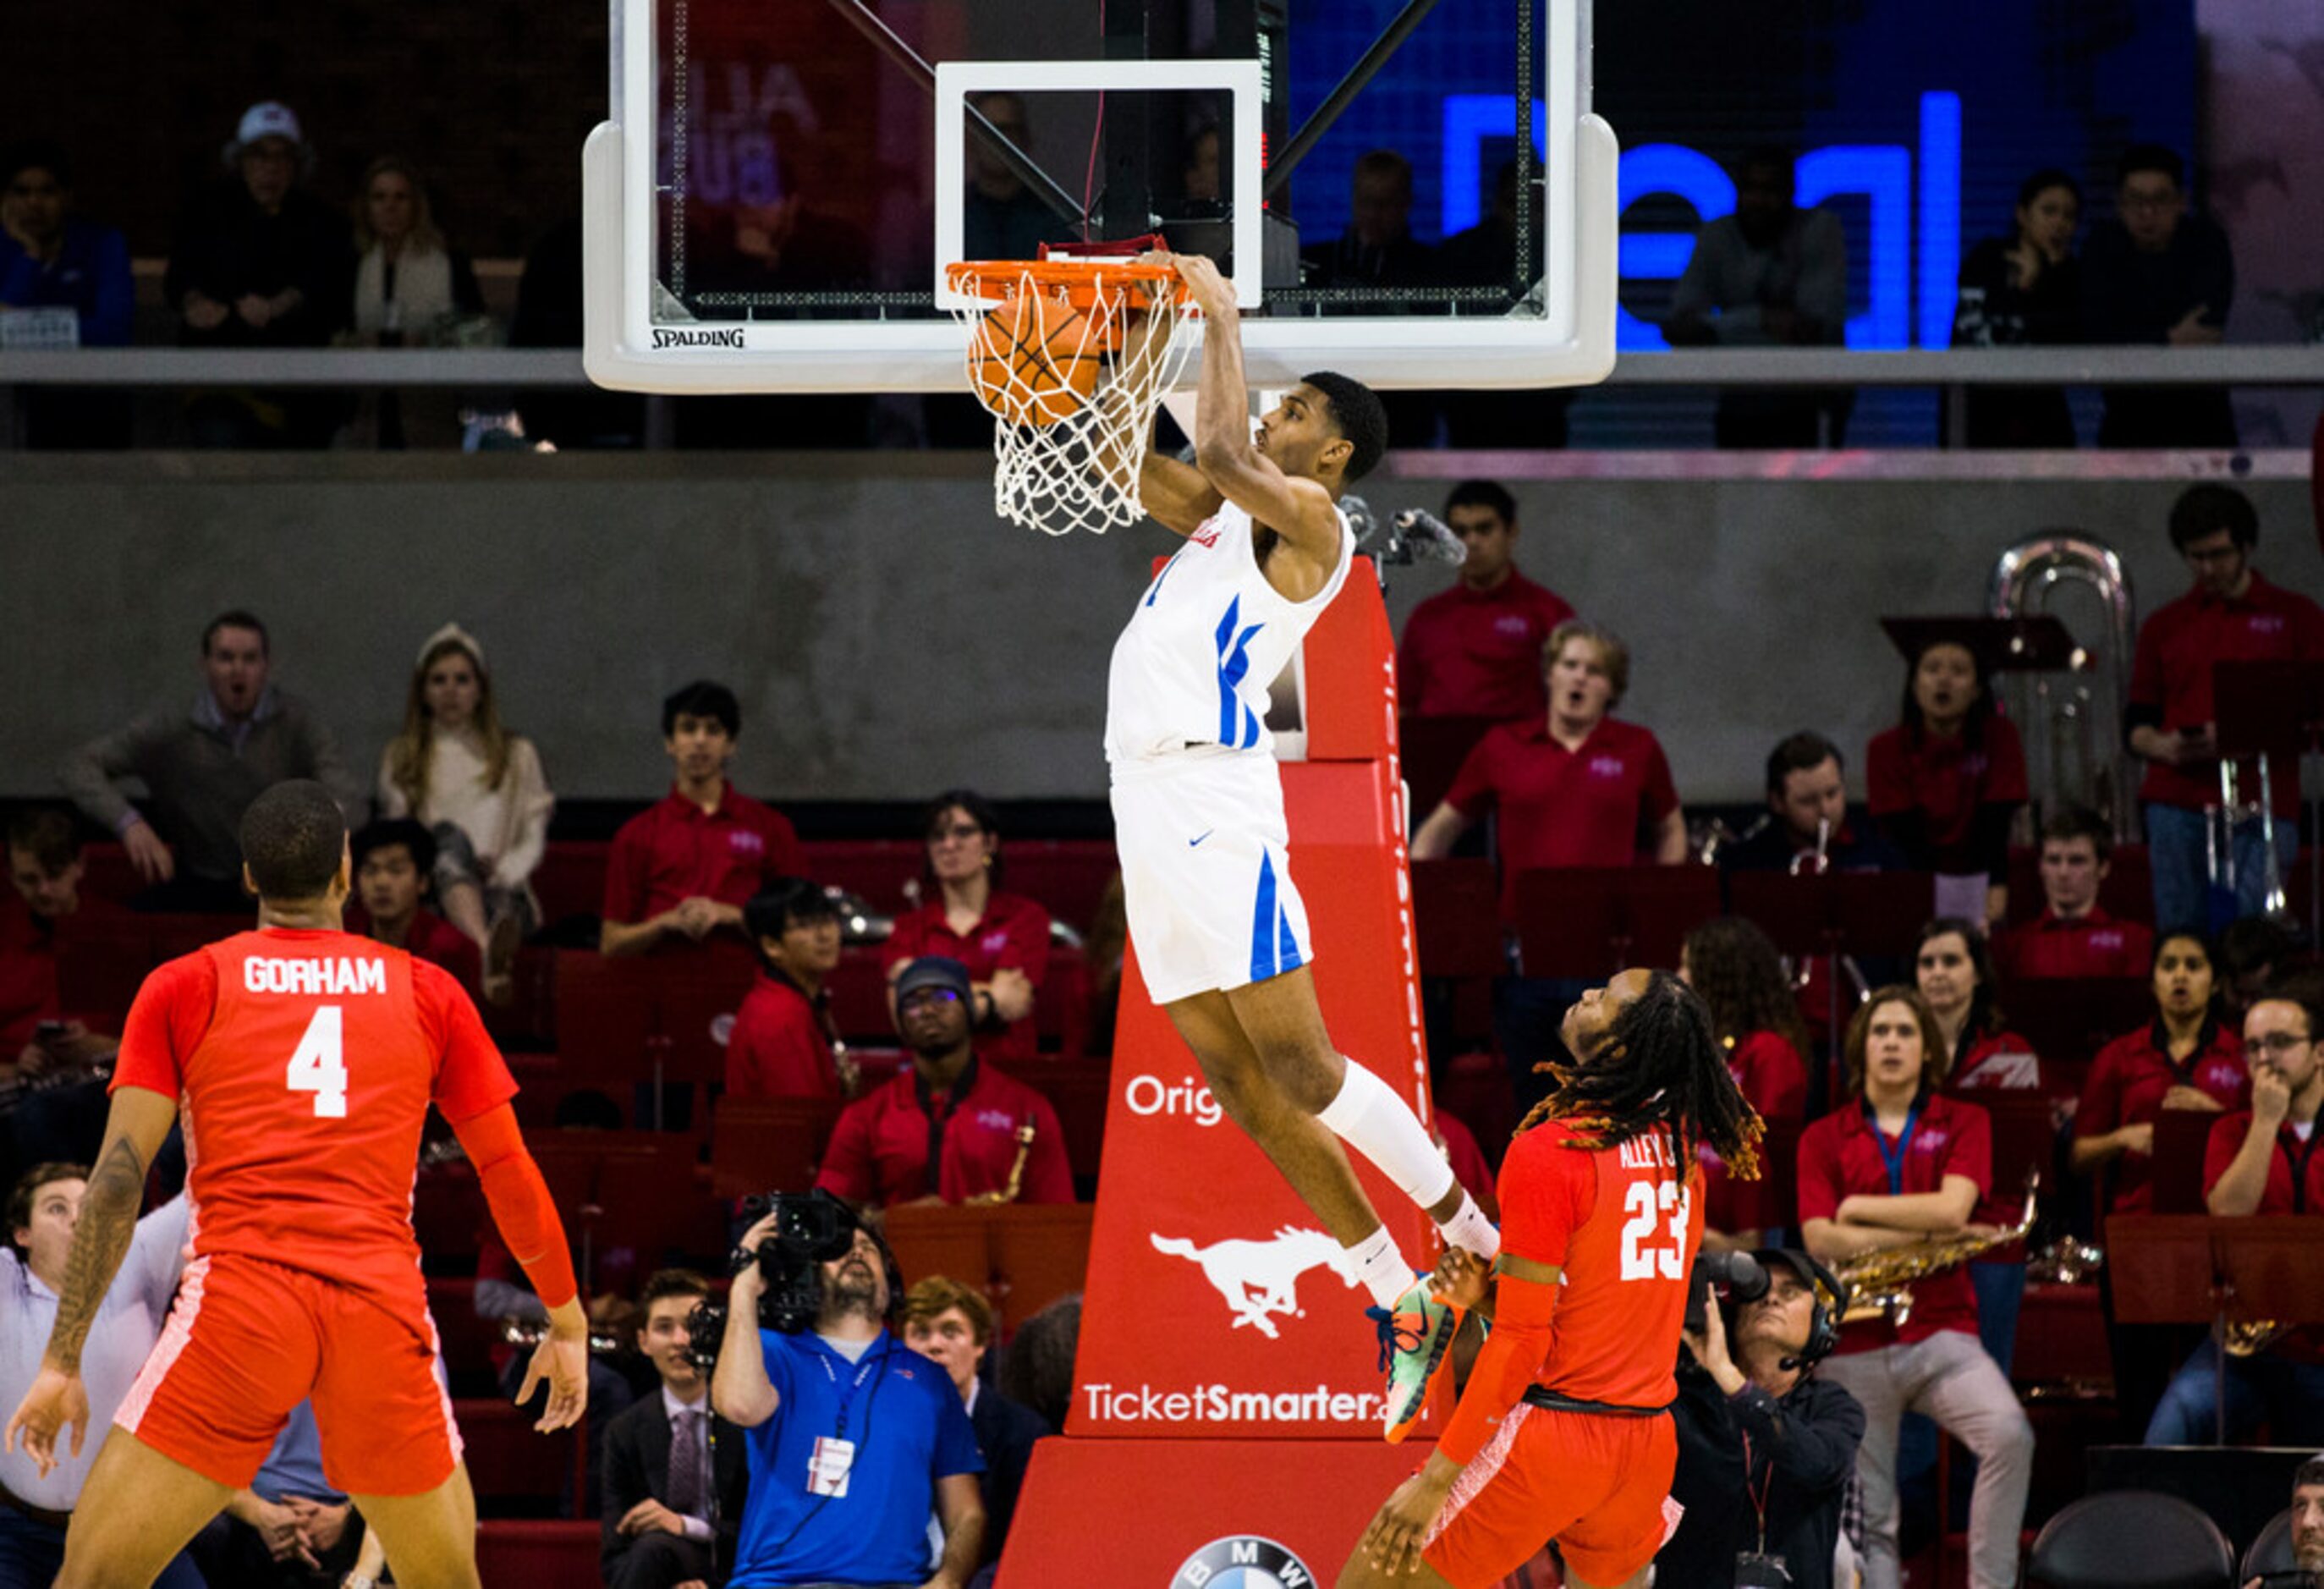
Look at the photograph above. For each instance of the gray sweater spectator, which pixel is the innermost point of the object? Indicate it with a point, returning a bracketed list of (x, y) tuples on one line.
[(202, 767)]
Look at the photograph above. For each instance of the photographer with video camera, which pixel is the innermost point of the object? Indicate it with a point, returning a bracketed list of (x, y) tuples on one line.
[(1764, 1447), (855, 1440)]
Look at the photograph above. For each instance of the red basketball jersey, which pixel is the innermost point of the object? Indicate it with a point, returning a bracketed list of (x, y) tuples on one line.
[(304, 1063), (1623, 1224)]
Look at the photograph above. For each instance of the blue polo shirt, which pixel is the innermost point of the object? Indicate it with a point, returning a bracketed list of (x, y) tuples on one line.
[(909, 1429)]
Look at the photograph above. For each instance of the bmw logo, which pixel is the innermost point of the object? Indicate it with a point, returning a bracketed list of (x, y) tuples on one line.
[(1243, 1561)]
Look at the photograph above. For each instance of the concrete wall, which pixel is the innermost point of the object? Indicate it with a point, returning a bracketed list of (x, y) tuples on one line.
[(888, 636)]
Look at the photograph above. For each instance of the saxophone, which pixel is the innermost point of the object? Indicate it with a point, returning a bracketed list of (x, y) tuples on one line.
[(1880, 1284), (1015, 1183)]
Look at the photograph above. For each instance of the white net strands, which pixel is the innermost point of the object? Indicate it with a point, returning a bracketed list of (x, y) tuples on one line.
[(1072, 380)]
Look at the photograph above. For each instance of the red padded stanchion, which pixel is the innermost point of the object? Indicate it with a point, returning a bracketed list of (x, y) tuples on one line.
[(1227, 1375)]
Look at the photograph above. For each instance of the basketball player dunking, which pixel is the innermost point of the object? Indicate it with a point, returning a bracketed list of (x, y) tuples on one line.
[(1221, 936)]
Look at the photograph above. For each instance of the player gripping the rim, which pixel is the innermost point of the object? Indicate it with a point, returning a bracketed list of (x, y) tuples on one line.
[(1222, 935), (1563, 1432)]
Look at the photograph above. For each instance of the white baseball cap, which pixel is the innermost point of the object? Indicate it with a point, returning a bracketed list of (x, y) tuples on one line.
[(269, 118)]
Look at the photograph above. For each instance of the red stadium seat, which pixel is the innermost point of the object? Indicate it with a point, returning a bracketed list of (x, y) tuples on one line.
[(936, 1238), (468, 1341), (1456, 906), (535, 1553), (877, 868), (1040, 1252), (1061, 1005), (1067, 875), (516, 1469), (769, 1144), (100, 962), (570, 880), (605, 1016)]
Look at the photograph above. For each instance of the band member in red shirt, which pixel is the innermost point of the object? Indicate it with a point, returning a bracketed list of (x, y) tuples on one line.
[(2073, 937), (683, 867), (2263, 1160), (1474, 651), (1578, 788), (1945, 781), (1955, 976), (1563, 1432), (784, 1043), (305, 1060), (2231, 615), (1901, 1164), (2190, 1057), (1002, 939), (1735, 967), (2186, 1059), (949, 1127)]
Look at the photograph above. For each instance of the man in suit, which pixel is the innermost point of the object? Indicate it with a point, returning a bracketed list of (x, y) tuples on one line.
[(953, 1325), (665, 1521)]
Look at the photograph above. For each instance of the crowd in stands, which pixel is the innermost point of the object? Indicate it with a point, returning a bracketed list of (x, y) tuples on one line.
[(260, 259), (1898, 1141)]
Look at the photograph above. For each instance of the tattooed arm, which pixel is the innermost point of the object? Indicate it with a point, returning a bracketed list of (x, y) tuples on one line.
[(134, 1131)]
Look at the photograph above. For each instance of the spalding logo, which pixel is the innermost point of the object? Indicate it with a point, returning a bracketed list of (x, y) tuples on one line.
[(1243, 1561), (729, 336)]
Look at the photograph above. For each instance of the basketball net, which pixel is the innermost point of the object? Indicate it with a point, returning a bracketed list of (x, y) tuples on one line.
[(1063, 460)]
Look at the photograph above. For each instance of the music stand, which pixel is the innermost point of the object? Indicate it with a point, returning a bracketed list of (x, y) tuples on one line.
[(2166, 1271), (2267, 712)]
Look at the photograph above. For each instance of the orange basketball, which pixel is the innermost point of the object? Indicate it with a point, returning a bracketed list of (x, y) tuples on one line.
[(1035, 358)]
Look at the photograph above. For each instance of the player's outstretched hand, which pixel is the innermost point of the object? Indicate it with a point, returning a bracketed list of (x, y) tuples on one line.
[(55, 1401), (1460, 1279), (1400, 1527), (562, 1359)]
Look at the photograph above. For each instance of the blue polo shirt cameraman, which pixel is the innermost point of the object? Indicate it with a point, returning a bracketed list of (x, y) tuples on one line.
[(854, 1439)]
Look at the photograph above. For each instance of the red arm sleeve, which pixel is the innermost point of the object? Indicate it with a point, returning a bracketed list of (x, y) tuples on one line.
[(165, 1026), (1547, 1189), (520, 1201), (1506, 1365)]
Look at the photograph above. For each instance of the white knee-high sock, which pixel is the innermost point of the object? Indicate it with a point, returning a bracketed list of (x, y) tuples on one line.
[(1369, 1117), (1380, 1268)]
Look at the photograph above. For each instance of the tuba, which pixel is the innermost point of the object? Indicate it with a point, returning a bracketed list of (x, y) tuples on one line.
[(2073, 722), (1880, 1284)]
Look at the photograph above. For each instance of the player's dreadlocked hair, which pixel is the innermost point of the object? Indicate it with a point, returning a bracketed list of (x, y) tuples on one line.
[(1658, 1063)]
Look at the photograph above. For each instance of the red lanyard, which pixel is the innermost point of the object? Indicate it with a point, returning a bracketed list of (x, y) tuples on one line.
[(1758, 1501)]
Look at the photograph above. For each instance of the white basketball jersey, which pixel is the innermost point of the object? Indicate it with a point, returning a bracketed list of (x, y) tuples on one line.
[(1208, 638)]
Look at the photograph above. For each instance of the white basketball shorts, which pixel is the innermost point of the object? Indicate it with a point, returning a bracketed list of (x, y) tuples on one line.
[(1207, 872)]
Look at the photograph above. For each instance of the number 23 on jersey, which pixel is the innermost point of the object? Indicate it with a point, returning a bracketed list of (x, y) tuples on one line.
[(1643, 1257)]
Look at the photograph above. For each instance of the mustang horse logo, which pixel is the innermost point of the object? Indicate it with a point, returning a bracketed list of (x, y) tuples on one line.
[(1260, 1279)]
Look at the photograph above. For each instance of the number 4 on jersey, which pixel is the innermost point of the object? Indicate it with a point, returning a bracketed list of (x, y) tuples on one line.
[(1644, 1201), (318, 1067)]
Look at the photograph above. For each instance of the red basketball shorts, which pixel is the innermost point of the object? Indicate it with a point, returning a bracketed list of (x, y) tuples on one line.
[(1598, 1487), (249, 1340)]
